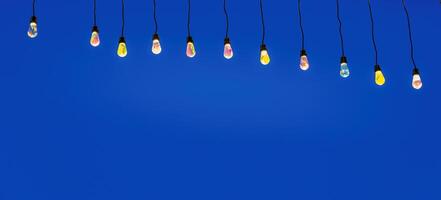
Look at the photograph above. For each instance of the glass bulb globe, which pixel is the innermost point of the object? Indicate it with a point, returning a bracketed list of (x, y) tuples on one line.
[(344, 70), (228, 50), (304, 63), (122, 48), (416, 81), (156, 45), (379, 77), (264, 57), (33, 31), (95, 37), (191, 51)]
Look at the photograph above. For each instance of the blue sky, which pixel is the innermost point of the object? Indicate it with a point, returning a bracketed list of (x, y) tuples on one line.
[(78, 122)]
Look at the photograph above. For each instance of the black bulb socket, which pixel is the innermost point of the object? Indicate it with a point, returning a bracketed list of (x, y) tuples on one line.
[(190, 39), (227, 41), (155, 36), (33, 19), (377, 68), (122, 40), (303, 53), (416, 71), (95, 29), (343, 59), (263, 47)]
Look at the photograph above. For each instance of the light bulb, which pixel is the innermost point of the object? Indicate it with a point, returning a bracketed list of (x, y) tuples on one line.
[(191, 51), (228, 50), (122, 47), (379, 77), (156, 45), (304, 63), (264, 56), (344, 69), (95, 37), (33, 31), (416, 79)]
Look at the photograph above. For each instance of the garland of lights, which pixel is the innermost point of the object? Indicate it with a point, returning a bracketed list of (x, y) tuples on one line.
[(264, 55)]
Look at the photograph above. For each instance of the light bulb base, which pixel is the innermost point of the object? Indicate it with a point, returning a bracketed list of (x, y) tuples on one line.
[(226, 41), (33, 19), (95, 29), (416, 71), (155, 36), (263, 47), (343, 59), (190, 39), (122, 39), (377, 68)]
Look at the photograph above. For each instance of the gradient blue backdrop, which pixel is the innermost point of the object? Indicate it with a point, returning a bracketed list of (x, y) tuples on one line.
[(78, 122)]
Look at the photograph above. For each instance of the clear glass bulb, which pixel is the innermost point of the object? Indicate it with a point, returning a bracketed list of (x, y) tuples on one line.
[(379, 77), (122, 48), (95, 37), (228, 50), (304, 63), (344, 70), (33, 31), (191, 51), (264, 57), (156, 46), (416, 81)]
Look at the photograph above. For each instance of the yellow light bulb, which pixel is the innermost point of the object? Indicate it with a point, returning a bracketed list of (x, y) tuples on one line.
[(156, 45), (228, 50), (417, 83), (379, 77), (264, 56), (304, 63), (122, 48), (191, 51), (33, 30), (95, 37)]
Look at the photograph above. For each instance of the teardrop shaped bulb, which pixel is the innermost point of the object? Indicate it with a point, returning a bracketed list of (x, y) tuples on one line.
[(32, 31), (344, 70), (95, 37), (264, 57), (417, 83), (191, 51), (379, 77), (304, 63), (122, 48), (156, 46), (228, 51)]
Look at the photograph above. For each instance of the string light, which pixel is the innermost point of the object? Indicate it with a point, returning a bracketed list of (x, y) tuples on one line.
[(264, 56), (190, 51), (228, 50), (156, 45), (33, 30), (95, 37), (416, 78), (304, 63), (122, 46), (344, 69), (379, 76)]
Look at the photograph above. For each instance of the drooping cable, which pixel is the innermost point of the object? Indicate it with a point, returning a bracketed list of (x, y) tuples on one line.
[(188, 17), (340, 29), (123, 18), (33, 7), (301, 25), (373, 33), (94, 12), (410, 34), (263, 22), (154, 16), (227, 20)]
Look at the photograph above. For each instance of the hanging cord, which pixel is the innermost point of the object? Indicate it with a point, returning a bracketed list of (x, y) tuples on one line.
[(33, 7), (188, 19), (154, 16), (373, 34), (340, 29), (301, 26), (263, 22), (226, 16), (410, 35), (94, 12), (123, 19)]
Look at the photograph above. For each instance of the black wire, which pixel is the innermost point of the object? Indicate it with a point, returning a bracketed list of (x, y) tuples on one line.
[(373, 34), (154, 16), (123, 19), (94, 12), (263, 22), (340, 29), (188, 19), (33, 7), (226, 16), (410, 34), (301, 25)]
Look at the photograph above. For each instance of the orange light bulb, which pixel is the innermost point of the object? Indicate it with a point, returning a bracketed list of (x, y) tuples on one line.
[(95, 37)]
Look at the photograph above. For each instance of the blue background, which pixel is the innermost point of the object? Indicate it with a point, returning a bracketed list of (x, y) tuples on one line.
[(78, 122)]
